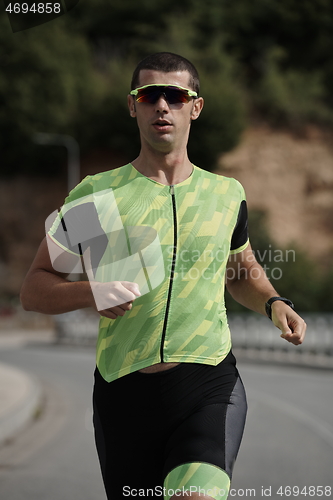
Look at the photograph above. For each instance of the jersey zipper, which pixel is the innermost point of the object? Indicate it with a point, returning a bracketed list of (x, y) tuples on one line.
[(172, 272)]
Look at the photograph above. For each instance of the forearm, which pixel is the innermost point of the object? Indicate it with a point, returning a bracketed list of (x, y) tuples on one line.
[(48, 293), (251, 287)]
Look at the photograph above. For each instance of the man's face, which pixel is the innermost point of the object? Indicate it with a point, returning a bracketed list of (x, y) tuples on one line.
[(164, 127)]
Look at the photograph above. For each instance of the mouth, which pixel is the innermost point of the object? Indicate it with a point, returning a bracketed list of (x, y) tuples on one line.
[(162, 124)]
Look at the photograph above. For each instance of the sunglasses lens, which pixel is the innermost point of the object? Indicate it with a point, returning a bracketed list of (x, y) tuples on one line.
[(153, 93), (150, 95), (174, 96)]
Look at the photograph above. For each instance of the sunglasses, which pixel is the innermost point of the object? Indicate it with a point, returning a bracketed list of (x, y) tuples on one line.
[(172, 93)]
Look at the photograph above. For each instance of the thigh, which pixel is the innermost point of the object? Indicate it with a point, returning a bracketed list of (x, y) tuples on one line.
[(126, 436), (202, 451), (212, 434)]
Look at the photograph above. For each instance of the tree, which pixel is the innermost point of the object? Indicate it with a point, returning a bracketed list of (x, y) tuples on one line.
[(45, 82)]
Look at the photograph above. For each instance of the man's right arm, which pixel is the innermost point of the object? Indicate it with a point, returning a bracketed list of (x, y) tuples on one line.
[(48, 291)]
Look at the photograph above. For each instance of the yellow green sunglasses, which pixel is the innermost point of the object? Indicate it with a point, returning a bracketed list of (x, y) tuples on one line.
[(172, 93)]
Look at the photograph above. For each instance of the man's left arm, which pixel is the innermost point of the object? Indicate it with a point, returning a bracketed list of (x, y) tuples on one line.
[(248, 284)]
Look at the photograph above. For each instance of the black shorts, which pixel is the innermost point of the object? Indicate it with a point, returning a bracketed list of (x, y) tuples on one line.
[(153, 429)]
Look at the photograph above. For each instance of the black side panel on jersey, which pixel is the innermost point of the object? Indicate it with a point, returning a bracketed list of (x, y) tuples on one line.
[(241, 232)]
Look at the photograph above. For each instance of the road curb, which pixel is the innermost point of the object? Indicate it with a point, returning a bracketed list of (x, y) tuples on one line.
[(20, 396)]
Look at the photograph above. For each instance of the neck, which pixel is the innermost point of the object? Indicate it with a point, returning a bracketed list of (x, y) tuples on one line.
[(166, 168)]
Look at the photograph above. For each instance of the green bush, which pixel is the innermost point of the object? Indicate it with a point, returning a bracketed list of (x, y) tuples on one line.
[(46, 85), (291, 97)]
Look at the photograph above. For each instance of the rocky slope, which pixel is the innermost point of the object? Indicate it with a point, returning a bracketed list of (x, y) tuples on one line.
[(290, 178)]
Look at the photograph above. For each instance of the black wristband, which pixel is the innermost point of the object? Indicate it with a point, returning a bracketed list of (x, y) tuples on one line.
[(268, 304)]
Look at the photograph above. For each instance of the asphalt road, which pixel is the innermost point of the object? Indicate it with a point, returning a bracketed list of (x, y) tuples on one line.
[(288, 440)]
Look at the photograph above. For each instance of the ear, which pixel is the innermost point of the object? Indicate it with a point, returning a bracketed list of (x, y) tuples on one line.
[(131, 105), (197, 108)]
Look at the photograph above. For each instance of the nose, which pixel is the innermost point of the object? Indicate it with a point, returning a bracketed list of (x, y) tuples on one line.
[(161, 105)]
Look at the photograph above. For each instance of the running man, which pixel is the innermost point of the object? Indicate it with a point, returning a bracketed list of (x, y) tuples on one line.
[(169, 404)]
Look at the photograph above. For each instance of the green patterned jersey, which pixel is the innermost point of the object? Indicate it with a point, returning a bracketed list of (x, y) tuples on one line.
[(174, 241)]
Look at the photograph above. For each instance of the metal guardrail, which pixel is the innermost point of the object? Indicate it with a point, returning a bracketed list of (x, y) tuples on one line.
[(77, 327), (253, 336), (255, 331)]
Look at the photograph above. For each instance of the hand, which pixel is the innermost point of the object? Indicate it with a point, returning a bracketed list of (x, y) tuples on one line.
[(292, 326), (113, 299)]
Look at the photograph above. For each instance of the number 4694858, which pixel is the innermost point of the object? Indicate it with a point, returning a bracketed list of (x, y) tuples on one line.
[(35, 8)]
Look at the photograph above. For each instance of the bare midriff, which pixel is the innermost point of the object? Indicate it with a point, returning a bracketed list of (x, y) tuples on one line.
[(159, 367)]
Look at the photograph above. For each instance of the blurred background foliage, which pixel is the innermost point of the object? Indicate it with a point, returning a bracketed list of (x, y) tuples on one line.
[(264, 60)]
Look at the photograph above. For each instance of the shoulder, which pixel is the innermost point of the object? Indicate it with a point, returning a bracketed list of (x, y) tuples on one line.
[(221, 183), (109, 178), (99, 182)]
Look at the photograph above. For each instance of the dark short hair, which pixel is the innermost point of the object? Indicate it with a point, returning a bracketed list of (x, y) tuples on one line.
[(167, 62)]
